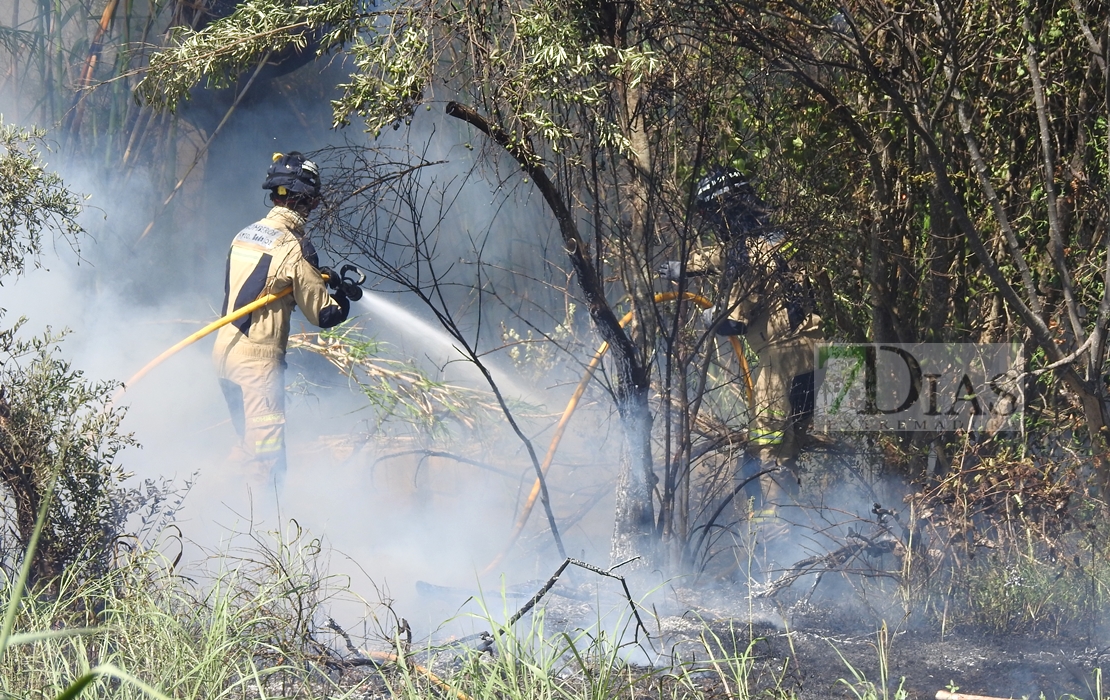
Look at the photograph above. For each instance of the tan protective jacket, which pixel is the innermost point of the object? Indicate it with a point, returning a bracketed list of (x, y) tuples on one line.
[(759, 296), (267, 257)]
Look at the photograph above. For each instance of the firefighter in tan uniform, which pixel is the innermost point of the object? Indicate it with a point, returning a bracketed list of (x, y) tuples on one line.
[(267, 257), (774, 312)]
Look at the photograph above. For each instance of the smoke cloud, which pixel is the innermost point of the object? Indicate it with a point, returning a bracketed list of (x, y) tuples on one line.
[(391, 517)]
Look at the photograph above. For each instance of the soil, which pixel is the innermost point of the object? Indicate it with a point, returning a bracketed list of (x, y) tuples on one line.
[(833, 630), (827, 647), (816, 662), (815, 646), (815, 651)]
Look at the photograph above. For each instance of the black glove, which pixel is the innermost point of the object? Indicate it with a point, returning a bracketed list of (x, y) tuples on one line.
[(332, 316), (670, 270), (344, 301), (332, 277), (731, 327)]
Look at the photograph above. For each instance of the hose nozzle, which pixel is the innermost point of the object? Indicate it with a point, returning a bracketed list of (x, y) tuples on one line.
[(352, 287)]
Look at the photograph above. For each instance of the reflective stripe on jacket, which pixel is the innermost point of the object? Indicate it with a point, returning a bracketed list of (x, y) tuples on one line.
[(265, 258)]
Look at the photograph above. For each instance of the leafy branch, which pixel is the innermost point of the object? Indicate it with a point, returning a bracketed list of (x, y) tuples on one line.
[(32, 199), (395, 388)]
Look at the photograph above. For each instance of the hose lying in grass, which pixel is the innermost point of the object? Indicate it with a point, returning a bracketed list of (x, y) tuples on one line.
[(377, 658), (387, 657)]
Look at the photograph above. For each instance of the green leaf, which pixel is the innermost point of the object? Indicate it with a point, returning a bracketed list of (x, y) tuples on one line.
[(77, 687), (32, 637)]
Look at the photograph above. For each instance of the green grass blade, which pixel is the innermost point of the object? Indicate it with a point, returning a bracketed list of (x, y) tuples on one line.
[(77, 687), (121, 675), (25, 570), (32, 637)]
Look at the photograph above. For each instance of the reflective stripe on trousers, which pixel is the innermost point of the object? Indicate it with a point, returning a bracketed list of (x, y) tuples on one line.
[(261, 384), (772, 425)]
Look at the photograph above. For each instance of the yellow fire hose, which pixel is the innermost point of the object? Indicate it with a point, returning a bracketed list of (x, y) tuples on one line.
[(215, 325), (436, 680), (522, 519), (235, 315)]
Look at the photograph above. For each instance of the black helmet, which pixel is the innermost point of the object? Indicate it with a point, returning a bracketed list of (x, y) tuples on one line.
[(719, 184), (729, 201), (292, 173)]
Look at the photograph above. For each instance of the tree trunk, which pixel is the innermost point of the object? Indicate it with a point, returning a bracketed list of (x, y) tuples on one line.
[(634, 510), (634, 531), (634, 516)]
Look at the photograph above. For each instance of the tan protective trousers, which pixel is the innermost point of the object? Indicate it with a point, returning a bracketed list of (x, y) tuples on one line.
[(770, 430), (255, 391), (775, 427)]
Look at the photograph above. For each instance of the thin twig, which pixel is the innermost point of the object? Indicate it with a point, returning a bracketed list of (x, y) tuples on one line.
[(724, 504), (589, 567), (204, 148), (1055, 228), (446, 455)]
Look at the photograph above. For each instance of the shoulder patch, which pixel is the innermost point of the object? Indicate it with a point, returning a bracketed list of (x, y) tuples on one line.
[(258, 235)]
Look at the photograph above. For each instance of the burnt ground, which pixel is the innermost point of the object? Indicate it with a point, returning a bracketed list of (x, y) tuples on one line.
[(817, 632), (811, 662), (822, 647), (809, 648), (814, 661)]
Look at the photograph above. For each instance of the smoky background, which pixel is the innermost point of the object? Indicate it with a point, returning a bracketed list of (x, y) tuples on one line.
[(125, 296), (448, 229)]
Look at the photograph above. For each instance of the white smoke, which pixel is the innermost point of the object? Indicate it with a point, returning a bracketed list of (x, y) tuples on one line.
[(398, 520)]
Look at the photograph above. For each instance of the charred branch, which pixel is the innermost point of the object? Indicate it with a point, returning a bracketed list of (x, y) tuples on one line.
[(632, 371), (836, 560)]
